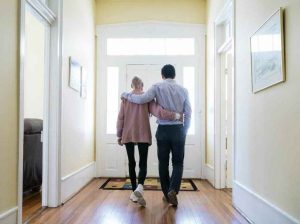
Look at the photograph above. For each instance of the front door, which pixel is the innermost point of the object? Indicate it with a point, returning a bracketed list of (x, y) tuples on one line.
[(119, 60), (115, 163)]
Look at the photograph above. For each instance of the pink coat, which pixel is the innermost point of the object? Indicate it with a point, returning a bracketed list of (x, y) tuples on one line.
[(133, 121)]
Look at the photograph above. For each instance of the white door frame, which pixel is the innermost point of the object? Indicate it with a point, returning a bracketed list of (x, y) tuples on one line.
[(226, 15), (171, 30), (51, 15)]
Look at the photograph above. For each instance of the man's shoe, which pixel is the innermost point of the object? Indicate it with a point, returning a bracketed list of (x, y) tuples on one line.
[(172, 196), (139, 191)]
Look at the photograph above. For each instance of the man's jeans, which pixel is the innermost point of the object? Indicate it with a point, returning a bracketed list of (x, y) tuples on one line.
[(170, 139)]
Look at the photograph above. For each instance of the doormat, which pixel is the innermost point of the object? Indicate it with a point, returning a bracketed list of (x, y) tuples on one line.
[(151, 184)]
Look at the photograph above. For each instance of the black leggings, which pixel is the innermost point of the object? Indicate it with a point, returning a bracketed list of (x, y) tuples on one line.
[(143, 152)]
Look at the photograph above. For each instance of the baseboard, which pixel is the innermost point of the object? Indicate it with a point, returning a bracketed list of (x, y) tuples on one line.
[(75, 181), (257, 209), (10, 216), (209, 174)]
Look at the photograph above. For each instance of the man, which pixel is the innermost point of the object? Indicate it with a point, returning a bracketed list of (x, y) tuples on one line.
[(170, 135)]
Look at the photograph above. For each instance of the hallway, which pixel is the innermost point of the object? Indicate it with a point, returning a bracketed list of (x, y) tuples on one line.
[(238, 63), (92, 205)]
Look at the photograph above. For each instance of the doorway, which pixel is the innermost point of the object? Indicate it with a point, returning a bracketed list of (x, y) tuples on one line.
[(141, 50), (35, 113), (224, 97), (39, 106)]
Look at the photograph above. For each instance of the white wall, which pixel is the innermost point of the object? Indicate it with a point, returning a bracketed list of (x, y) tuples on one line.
[(34, 67), (267, 123), (78, 114)]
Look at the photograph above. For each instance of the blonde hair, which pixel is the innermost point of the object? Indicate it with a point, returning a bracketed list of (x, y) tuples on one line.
[(136, 83)]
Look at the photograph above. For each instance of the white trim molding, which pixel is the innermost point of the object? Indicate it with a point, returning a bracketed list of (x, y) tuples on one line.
[(52, 16), (42, 10), (209, 174), (226, 15), (55, 105), (257, 209), (141, 24), (225, 12), (9, 216), (74, 182)]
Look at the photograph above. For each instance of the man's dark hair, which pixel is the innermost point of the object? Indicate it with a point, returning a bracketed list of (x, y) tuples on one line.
[(168, 71)]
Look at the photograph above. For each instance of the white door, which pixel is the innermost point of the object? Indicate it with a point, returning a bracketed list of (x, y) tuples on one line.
[(150, 74), (119, 59), (226, 114)]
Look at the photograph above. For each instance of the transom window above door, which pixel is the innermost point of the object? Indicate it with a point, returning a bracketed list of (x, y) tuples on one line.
[(150, 46)]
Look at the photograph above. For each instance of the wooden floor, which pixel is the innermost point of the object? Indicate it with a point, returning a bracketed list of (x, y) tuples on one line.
[(93, 205), (32, 203)]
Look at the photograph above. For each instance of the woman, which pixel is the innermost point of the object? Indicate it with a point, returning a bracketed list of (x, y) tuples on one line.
[(133, 128)]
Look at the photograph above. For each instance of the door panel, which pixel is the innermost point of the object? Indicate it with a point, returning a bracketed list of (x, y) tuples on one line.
[(229, 111), (112, 156), (226, 116), (114, 165)]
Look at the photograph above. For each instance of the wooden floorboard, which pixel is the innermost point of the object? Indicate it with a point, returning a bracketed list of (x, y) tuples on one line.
[(32, 203), (94, 205)]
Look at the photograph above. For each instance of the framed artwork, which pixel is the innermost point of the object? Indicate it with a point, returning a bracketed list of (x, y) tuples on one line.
[(74, 74), (267, 53), (83, 86)]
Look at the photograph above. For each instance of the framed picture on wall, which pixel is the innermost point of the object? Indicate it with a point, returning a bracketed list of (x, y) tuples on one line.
[(74, 74), (83, 88), (267, 53)]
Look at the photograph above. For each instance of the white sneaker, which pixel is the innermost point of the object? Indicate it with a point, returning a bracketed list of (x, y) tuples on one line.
[(139, 191), (133, 197)]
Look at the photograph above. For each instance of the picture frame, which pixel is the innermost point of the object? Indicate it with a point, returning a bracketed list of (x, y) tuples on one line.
[(75, 70), (268, 53)]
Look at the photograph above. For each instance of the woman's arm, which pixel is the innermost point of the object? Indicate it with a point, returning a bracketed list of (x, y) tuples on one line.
[(120, 121), (156, 110)]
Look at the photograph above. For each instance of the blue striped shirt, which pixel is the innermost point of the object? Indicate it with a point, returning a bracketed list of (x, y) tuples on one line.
[(170, 96)]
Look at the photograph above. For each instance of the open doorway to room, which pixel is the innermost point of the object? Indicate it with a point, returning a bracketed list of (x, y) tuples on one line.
[(39, 107), (141, 49), (35, 112), (224, 97)]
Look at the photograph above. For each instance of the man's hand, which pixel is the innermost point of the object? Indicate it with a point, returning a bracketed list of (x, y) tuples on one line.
[(181, 117), (120, 142)]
